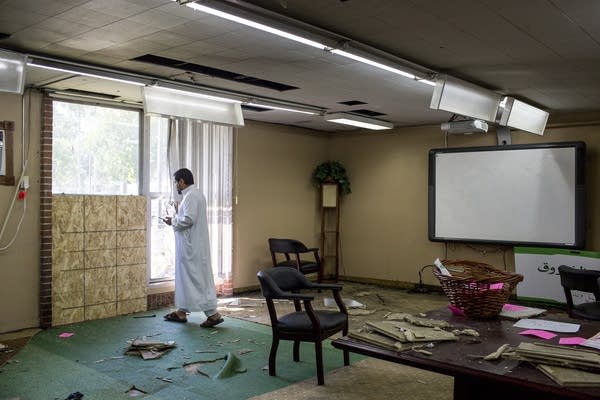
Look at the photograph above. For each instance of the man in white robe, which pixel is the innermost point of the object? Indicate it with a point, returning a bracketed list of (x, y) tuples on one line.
[(194, 281)]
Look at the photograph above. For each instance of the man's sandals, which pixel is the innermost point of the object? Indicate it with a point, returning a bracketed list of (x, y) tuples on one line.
[(174, 317), (212, 321)]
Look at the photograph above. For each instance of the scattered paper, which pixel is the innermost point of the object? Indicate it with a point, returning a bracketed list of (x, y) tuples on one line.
[(65, 335), (536, 332), (546, 325), (571, 340), (594, 341), (513, 311)]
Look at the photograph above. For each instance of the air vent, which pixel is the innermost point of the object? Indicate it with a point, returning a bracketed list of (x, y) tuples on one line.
[(368, 113), (214, 72), (352, 102), (253, 108)]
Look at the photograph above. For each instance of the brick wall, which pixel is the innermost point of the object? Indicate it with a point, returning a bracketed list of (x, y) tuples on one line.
[(46, 214)]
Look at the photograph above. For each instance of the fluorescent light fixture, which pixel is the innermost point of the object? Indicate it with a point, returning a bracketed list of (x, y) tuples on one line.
[(303, 40), (464, 98), (519, 115), (178, 103), (256, 25), (281, 108), (12, 72), (77, 70), (373, 63), (196, 94), (425, 81), (359, 121)]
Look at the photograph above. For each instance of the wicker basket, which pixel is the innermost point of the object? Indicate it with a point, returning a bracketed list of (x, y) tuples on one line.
[(478, 289)]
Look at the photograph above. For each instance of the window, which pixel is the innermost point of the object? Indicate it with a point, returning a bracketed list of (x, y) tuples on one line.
[(160, 184), (207, 150), (95, 150)]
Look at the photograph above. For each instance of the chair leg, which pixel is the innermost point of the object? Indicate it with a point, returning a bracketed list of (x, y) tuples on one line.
[(273, 355), (346, 357), (319, 356), (296, 350)]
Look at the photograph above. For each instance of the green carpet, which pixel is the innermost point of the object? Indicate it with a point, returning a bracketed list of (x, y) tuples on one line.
[(92, 361)]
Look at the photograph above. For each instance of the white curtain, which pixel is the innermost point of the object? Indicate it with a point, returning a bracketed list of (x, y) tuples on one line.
[(206, 149)]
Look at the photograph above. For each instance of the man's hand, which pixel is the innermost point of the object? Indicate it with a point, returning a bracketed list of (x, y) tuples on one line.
[(167, 220)]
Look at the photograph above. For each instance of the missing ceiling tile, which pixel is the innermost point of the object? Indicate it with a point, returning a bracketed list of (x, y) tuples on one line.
[(352, 102), (368, 113), (214, 72)]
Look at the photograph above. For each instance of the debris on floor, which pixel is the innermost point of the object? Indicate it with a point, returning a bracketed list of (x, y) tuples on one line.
[(135, 392), (74, 396), (107, 359), (148, 349), (232, 366), (360, 311), (350, 303), (145, 316), (65, 335)]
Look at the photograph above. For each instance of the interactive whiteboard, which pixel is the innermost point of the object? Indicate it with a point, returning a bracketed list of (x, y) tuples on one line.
[(531, 195)]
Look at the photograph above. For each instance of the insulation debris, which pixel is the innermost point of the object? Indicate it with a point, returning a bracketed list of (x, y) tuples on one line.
[(148, 349)]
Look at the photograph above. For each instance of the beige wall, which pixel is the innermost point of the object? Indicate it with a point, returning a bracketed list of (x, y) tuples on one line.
[(275, 197), (384, 220), (19, 264)]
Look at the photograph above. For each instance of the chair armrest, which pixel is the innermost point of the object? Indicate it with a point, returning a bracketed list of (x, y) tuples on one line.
[(327, 286), (294, 296)]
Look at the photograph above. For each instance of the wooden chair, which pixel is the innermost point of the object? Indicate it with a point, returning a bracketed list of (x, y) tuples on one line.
[(584, 280), (305, 324), (292, 250)]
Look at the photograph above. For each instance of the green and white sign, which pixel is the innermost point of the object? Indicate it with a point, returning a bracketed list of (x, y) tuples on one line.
[(539, 267)]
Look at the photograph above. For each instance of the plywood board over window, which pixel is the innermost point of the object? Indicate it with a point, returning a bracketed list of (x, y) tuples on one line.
[(98, 257), (7, 129)]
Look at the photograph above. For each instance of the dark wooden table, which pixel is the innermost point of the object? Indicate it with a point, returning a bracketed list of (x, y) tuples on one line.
[(475, 378)]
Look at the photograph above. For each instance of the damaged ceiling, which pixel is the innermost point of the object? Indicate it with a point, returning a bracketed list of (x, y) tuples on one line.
[(544, 52)]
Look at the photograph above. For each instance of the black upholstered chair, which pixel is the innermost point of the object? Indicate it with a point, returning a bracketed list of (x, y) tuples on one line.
[(305, 324), (293, 251), (584, 280)]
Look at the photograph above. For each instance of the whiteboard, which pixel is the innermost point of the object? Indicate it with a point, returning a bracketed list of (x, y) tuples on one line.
[(527, 194)]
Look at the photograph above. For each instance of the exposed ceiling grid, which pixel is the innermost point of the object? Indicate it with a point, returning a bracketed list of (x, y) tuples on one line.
[(546, 52)]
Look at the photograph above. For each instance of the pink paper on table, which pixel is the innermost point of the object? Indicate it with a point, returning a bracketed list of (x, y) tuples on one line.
[(571, 340), (539, 333), (66, 335), (512, 307)]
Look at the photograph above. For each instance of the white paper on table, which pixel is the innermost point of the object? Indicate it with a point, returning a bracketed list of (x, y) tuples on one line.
[(546, 325), (594, 341)]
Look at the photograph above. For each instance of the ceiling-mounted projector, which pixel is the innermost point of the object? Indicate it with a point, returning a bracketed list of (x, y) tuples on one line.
[(470, 126)]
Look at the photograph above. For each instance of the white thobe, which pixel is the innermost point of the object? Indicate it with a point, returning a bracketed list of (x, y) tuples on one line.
[(194, 281)]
